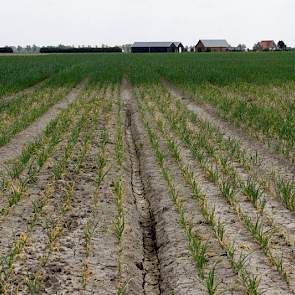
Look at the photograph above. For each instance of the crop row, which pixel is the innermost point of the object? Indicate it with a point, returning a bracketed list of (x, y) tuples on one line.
[(33, 157), (60, 180), (19, 113), (224, 177), (270, 118)]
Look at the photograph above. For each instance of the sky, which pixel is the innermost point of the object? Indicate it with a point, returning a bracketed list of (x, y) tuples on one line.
[(117, 22)]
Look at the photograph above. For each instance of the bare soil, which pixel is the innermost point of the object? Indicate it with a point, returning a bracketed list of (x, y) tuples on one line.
[(177, 271), (153, 255)]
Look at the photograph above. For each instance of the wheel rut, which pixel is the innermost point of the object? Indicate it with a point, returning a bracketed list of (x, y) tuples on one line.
[(150, 262)]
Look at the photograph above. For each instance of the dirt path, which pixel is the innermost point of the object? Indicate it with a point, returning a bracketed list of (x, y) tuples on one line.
[(14, 148), (26, 91), (269, 160)]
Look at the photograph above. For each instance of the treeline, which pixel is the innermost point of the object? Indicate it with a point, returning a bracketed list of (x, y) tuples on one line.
[(6, 50), (80, 49)]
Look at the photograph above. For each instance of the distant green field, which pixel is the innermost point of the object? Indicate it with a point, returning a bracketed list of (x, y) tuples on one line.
[(255, 90), (18, 72)]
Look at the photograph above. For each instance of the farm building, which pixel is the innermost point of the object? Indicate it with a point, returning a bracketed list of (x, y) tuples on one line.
[(154, 47), (212, 45), (179, 46), (6, 50), (267, 45)]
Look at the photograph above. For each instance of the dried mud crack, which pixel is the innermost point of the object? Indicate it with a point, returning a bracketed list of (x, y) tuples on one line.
[(150, 263), (177, 274)]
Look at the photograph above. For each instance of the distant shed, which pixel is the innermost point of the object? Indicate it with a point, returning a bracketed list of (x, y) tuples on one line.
[(6, 50), (156, 47), (218, 45), (180, 47)]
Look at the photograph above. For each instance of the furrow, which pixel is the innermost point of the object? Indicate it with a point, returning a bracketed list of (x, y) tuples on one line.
[(150, 261), (177, 271)]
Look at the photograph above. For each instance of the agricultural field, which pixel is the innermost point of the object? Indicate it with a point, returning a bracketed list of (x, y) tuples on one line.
[(147, 174)]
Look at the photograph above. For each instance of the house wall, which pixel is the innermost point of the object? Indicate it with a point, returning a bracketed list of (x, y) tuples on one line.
[(201, 48), (139, 49), (218, 49), (267, 45), (179, 49), (153, 49)]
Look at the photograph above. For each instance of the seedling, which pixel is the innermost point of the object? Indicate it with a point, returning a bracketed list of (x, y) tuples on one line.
[(254, 193), (211, 285), (286, 191), (227, 190)]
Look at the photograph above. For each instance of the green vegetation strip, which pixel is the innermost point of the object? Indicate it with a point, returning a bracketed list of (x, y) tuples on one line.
[(54, 231), (250, 281), (224, 176)]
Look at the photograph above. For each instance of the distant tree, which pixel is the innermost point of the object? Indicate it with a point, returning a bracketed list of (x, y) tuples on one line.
[(62, 46), (257, 47), (241, 47), (19, 48), (126, 48), (35, 48), (282, 45)]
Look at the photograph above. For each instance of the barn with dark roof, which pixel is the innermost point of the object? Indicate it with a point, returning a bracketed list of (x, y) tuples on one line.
[(6, 50), (156, 47)]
